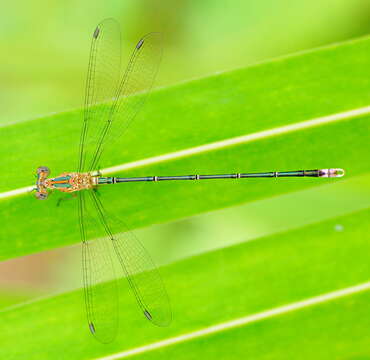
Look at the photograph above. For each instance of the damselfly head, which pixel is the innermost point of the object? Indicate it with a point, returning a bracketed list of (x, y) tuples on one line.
[(43, 170), (41, 195), (41, 190)]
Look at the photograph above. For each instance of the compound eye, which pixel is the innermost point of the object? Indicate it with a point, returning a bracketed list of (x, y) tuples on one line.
[(43, 169), (41, 195)]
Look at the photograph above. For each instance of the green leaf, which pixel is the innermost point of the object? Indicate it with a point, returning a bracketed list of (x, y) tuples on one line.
[(220, 286), (267, 96)]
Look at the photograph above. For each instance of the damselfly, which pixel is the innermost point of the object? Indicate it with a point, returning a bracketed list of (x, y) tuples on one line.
[(111, 103)]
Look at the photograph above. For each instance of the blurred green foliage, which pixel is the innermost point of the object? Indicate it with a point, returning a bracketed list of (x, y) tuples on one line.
[(223, 285), (42, 70), (243, 101), (45, 45)]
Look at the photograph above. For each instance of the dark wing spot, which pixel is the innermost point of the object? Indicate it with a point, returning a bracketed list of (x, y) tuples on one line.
[(147, 314), (96, 33), (140, 44), (92, 327)]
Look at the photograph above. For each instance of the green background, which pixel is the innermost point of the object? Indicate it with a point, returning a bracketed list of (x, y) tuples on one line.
[(227, 249)]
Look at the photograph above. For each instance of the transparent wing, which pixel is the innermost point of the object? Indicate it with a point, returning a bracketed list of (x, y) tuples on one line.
[(102, 85), (133, 90), (104, 123), (139, 269), (100, 285)]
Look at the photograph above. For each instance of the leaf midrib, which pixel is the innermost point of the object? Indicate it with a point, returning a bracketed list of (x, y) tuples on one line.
[(242, 139)]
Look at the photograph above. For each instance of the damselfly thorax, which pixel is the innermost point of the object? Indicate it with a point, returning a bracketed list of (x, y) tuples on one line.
[(66, 182)]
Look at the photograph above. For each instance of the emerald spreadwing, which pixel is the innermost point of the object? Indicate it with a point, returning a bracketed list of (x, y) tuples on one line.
[(112, 101)]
